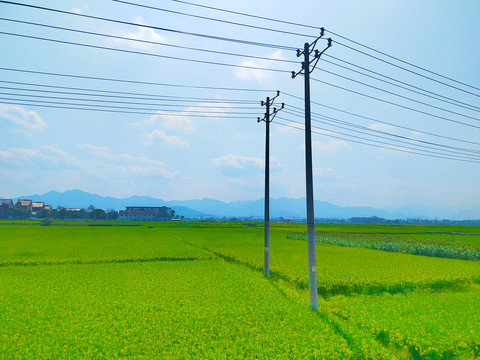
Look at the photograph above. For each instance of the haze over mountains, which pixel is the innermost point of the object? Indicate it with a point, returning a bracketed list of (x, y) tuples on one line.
[(281, 207)]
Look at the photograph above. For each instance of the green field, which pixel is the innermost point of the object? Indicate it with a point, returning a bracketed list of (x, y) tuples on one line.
[(196, 291)]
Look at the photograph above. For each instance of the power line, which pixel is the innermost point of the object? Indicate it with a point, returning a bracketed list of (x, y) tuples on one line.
[(383, 122), (157, 105), (248, 15), (410, 71), (147, 41), (214, 19), (184, 111), (367, 131), (345, 38), (398, 95), (87, 77), (422, 91), (122, 111), (212, 37), (142, 53), (389, 147), (156, 98), (402, 61), (395, 104), (248, 67)]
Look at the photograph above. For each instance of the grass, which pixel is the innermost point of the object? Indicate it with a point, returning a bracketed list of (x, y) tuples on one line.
[(163, 290)]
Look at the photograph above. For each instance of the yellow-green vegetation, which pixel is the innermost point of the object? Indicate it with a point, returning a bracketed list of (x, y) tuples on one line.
[(71, 243), (196, 290), (159, 310), (341, 270), (442, 325)]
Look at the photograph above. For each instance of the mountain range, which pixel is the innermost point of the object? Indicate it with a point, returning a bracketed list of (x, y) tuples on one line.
[(279, 207)]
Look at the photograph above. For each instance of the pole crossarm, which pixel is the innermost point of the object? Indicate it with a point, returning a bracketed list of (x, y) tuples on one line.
[(311, 49), (270, 101)]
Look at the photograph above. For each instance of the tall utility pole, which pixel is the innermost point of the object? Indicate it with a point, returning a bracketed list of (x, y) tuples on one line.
[(306, 70), (268, 119)]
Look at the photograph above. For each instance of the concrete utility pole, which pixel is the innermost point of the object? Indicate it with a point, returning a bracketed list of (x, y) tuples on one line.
[(268, 119), (306, 70)]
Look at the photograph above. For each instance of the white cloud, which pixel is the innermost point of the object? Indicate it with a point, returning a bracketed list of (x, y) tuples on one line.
[(181, 120), (126, 162), (238, 161), (169, 139), (76, 10), (237, 166), (19, 117), (143, 34), (324, 172), (292, 127), (258, 75), (94, 149), (381, 127), (330, 146), (175, 121), (100, 162), (44, 156), (417, 134)]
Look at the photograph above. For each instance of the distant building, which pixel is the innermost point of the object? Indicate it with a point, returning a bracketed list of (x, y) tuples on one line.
[(37, 208), (145, 213), (6, 209), (23, 209)]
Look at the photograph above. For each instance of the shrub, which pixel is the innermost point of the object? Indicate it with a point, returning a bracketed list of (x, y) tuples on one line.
[(46, 222)]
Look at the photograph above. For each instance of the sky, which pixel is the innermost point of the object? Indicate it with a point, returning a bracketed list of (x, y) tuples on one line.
[(197, 140)]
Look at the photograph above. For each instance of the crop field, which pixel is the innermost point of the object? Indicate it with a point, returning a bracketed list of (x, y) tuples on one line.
[(196, 291)]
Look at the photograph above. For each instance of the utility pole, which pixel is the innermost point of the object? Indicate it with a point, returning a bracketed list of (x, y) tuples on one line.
[(268, 118), (306, 70)]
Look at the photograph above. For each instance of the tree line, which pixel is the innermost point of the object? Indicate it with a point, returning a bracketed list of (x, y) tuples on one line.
[(91, 212)]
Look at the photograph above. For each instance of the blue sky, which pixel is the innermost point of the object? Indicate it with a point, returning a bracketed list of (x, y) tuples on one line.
[(167, 153)]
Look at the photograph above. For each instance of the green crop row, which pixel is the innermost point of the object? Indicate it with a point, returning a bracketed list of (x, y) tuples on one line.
[(396, 244)]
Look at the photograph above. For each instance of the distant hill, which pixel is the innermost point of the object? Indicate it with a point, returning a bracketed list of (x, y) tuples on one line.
[(280, 207)]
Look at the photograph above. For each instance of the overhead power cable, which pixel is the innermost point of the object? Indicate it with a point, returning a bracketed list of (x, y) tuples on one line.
[(398, 95), (409, 87), (402, 61), (212, 37), (149, 42), (122, 111), (376, 143), (248, 15), (348, 39), (156, 98), (395, 104), (157, 105), (383, 122), (410, 71), (378, 133), (214, 19), (142, 53), (156, 108), (127, 81)]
